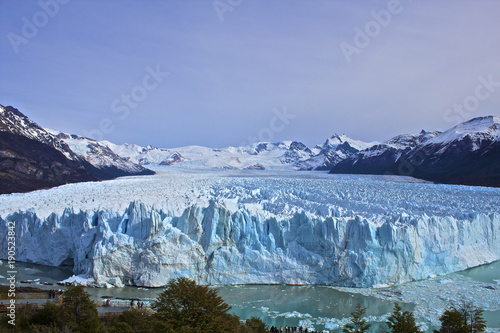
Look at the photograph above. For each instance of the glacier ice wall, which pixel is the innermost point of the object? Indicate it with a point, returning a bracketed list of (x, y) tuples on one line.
[(219, 244)]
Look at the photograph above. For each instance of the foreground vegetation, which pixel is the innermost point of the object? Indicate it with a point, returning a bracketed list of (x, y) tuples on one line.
[(187, 307), (461, 318)]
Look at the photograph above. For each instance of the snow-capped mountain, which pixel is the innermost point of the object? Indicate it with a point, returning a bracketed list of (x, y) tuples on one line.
[(74, 147), (256, 156), (477, 132), (30, 158), (406, 141), (465, 154), (108, 163), (468, 153), (335, 149), (106, 159), (381, 157), (145, 155), (15, 122), (28, 162)]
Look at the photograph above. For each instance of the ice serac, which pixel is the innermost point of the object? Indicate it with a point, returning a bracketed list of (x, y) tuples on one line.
[(214, 244)]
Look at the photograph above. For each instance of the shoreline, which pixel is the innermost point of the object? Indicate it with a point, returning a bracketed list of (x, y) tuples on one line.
[(277, 303)]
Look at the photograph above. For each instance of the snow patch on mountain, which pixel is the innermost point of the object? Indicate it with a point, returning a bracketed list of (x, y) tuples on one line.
[(286, 155), (97, 154), (146, 155), (478, 129), (13, 121), (337, 140), (335, 149), (396, 146), (74, 147), (282, 155), (406, 141)]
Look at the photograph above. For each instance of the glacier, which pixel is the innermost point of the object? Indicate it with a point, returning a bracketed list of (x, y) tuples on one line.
[(255, 227)]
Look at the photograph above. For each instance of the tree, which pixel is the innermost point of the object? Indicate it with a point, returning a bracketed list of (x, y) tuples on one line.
[(49, 314), (78, 311), (452, 321), (473, 316), (253, 325), (190, 307), (132, 321), (402, 322), (462, 318), (359, 324)]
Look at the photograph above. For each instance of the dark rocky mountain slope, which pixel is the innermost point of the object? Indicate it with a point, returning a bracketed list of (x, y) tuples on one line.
[(33, 158), (467, 154), (27, 165)]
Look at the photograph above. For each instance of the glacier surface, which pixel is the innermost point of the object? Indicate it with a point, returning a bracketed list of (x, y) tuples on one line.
[(241, 227)]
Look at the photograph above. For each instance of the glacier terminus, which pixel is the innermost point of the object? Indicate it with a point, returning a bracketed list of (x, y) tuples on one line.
[(255, 227)]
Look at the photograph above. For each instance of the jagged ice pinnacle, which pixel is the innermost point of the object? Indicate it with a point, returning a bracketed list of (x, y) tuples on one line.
[(236, 227)]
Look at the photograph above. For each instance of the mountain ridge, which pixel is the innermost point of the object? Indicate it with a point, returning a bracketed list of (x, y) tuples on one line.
[(32, 157), (27, 165), (399, 155), (466, 154)]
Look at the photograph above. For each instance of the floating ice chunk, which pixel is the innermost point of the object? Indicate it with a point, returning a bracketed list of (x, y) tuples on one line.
[(79, 280), (307, 323), (330, 326)]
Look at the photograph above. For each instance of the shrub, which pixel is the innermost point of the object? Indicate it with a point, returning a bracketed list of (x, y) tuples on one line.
[(189, 307)]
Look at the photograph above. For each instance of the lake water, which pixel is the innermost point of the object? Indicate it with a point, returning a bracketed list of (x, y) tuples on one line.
[(323, 308)]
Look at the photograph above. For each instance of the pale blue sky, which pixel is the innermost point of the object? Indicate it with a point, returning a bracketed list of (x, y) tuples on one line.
[(228, 71)]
